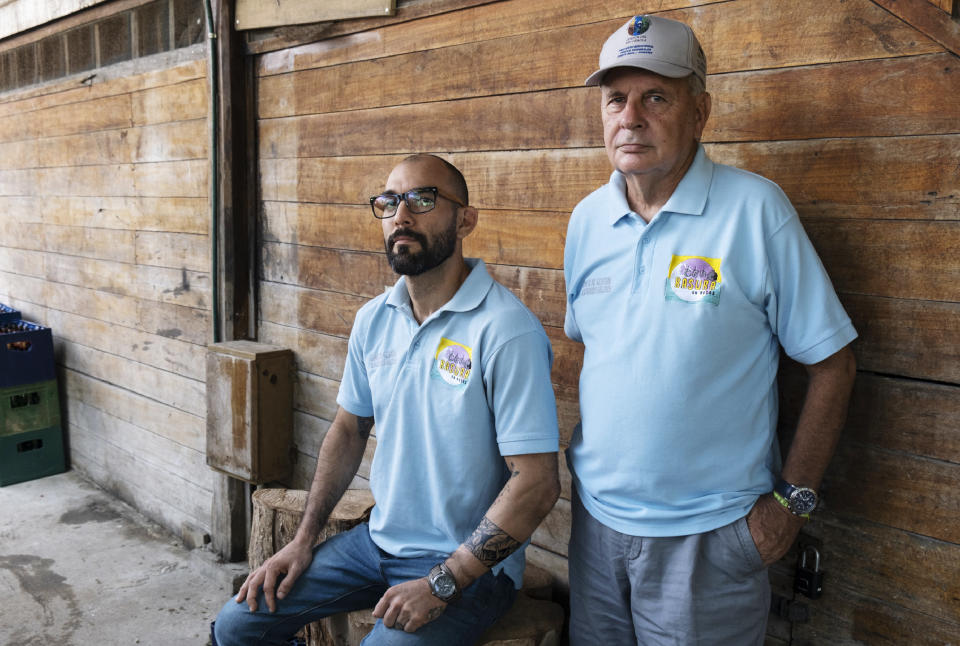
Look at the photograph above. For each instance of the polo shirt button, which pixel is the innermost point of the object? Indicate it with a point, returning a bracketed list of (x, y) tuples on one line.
[(642, 269)]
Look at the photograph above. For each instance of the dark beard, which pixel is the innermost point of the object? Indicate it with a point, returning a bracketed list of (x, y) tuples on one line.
[(406, 263)]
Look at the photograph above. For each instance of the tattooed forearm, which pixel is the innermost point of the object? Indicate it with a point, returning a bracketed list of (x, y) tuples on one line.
[(364, 424), (490, 544)]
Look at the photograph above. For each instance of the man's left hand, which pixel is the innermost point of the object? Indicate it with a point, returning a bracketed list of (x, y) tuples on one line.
[(408, 606), (773, 528)]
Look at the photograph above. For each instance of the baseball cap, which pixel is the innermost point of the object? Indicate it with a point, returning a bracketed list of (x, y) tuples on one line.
[(661, 45)]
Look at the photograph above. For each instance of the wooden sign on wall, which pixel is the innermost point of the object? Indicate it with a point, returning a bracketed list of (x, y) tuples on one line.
[(255, 14)]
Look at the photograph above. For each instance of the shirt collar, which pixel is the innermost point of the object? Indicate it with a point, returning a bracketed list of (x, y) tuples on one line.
[(690, 196), (471, 293)]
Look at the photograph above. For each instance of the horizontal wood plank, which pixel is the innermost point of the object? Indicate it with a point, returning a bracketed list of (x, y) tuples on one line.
[(733, 34), (894, 489), (319, 354), (169, 500), (172, 214), (97, 114), (165, 387), (896, 567), (179, 461), (919, 257), (854, 618), (176, 321), (177, 102), (906, 337), (69, 93), (165, 353), (119, 401), (173, 250), (89, 242), (157, 179), (877, 178), (901, 415), (316, 395), (867, 178), (322, 311), (564, 57), (805, 103)]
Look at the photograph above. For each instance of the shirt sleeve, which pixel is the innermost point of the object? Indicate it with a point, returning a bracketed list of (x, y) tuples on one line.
[(520, 394), (802, 307)]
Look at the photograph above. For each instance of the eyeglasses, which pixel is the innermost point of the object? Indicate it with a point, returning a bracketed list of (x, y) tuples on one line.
[(418, 200)]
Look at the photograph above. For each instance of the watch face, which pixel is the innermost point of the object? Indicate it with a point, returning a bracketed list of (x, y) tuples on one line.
[(444, 585), (803, 501)]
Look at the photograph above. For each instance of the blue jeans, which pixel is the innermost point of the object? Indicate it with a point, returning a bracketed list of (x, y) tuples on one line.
[(349, 572), (704, 589)]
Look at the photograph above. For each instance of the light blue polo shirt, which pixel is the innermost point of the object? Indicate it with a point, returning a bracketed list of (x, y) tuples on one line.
[(450, 398), (682, 320)]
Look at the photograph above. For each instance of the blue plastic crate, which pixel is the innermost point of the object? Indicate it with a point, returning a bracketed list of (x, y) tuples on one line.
[(31, 455), (26, 353), (8, 314)]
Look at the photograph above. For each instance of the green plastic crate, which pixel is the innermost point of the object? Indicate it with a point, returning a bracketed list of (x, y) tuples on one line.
[(29, 407), (31, 455)]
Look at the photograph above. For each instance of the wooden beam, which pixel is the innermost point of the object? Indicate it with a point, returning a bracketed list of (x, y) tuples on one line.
[(236, 176), (261, 42), (254, 14)]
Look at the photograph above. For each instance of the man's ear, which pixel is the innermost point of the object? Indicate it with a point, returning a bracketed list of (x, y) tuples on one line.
[(703, 104), (466, 221)]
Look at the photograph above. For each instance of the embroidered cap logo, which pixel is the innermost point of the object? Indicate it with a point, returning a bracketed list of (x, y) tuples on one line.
[(639, 25)]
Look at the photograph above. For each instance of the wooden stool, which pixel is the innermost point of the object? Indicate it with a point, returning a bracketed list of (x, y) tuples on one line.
[(276, 516), (533, 620)]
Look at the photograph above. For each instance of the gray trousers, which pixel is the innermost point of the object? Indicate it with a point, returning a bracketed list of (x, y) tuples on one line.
[(704, 589)]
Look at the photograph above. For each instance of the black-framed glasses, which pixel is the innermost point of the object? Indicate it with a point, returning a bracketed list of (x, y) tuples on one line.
[(418, 200)]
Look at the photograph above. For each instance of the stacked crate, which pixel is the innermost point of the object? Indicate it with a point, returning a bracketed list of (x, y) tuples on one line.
[(31, 440), (8, 314)]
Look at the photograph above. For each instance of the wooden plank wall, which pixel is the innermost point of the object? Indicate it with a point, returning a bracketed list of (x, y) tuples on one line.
[(105, 238), (845, 105)]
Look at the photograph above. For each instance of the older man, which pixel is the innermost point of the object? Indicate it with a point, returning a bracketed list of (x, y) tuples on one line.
[(455, 373), (684, 279)]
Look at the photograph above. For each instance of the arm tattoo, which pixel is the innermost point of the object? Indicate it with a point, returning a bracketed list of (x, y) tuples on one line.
[(364, 424), (490, 544)]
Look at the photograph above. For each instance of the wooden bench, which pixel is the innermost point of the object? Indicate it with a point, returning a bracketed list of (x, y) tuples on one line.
[(534, 620)]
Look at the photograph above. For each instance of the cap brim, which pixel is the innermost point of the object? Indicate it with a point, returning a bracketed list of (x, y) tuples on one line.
[(657, 67)]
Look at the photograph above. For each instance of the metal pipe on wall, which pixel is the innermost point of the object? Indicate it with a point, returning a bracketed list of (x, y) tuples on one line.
[(214, 170)]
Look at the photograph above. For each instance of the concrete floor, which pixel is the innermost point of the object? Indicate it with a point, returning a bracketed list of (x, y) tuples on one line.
[(80, 568)]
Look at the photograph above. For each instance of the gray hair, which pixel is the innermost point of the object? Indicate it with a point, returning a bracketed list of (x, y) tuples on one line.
[(697, 87)]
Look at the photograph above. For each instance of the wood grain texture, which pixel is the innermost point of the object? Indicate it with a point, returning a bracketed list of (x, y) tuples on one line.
[(887, 413), (799, 103), (912, 338), (895, 567), (872, 178), (931, 21), (734, 35)]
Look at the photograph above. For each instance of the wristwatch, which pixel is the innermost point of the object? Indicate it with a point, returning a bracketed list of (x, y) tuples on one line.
[(442, 584), (799, 500)]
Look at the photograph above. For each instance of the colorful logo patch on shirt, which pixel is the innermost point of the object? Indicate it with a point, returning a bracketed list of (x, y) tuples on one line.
[(452, 363), (694, 279)]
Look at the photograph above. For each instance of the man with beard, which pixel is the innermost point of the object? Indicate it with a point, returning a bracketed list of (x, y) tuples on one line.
[(455, 373)]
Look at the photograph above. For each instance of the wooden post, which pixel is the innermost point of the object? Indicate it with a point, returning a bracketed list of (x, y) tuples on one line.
[(237, 176)]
